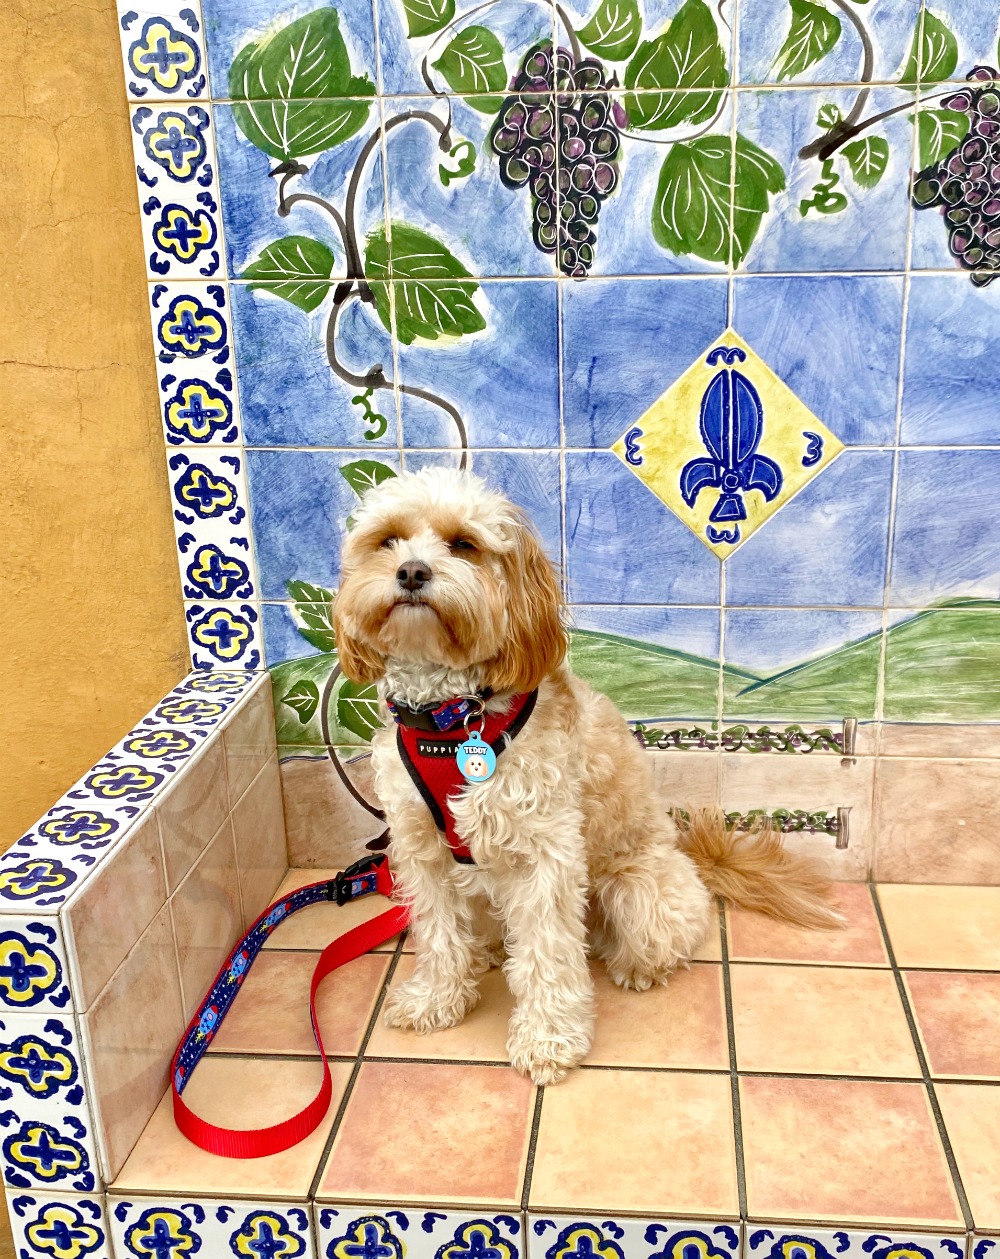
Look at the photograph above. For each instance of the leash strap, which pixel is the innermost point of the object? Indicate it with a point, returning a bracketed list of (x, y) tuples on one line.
[(371, 874)]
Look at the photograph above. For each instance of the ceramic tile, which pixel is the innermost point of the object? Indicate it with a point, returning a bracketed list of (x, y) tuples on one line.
[(880, 1157), (555, 1238), (958, 1017), (192, 810), (313, 928), (932, 819), (48, 1140), (70, 1225), (775, 1242), (752, 937), (655, 663), (190, 321), (441, 1111), (935, 927), (182, 234), (439, 1232), (927, 740), (863, 230), (215, 1228), (34, 974), (271, 1014), (163, 52), (972, 1117), (939, 548), (224, 634), (249, 741), (212, 525), (131, 1032), (174, 147), (576, 1166), (660, 326), (102, 924), (199, 404), (503, 380), (243, 1093), (686, 779), (324, 825), (941, 663), (980, 1247), (821, 1021), (207, 916), (259, 831)]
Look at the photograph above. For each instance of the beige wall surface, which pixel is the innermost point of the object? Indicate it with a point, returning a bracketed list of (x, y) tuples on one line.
[(91, 621)]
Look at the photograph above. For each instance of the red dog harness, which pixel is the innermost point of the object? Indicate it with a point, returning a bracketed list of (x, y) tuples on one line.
[(430, 756)]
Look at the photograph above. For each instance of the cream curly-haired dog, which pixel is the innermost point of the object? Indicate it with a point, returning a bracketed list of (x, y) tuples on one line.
[(446, 593)]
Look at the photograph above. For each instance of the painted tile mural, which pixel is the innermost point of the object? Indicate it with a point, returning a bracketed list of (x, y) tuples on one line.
[(707, 288)]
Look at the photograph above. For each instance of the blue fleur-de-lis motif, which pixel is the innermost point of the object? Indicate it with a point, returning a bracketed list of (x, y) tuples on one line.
[(731, 424)]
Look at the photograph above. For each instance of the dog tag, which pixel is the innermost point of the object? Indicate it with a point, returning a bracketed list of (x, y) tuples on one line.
[(476, 759)]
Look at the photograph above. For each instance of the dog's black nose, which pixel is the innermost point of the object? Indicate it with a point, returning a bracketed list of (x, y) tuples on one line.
[(413, 574)]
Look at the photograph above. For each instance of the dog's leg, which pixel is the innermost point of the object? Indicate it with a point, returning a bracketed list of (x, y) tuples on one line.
[(544, 903), (653, 912)]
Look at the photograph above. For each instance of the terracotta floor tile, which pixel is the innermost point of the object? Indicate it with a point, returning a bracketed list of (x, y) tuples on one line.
[(756, 938), (271, 1013), (315, 927), (711, 950), (481, 1036), (959, 1020), (432, 1132), (844, 1150), (972, 1116), (821, 1020), (637, 1141), (680, 1025), (943, 927), (238, 1092)]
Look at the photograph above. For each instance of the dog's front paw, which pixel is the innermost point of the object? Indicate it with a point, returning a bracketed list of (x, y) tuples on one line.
[(545, 1059), (415, 1005)]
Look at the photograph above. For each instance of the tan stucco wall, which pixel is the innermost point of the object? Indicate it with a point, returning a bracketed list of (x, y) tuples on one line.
[(91, 624)]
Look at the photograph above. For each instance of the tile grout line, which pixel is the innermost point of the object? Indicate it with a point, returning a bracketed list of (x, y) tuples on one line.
[(529, 1162), (734, 1080), (928, 1082), (358, 1061)]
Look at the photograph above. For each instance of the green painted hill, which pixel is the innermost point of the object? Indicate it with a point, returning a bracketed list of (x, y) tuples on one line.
[(944, 664)]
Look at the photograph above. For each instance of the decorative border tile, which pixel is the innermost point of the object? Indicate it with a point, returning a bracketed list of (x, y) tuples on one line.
[(182, 233), (163, 51), (224, 634), (212, 524), (33, 970), (47, 1138), (783, 1241), (343, 1232), (213, 1228), (573, 1237), (64, 1227), (743, 738)]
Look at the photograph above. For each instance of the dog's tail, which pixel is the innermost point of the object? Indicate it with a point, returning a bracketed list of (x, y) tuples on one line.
[(754, 870)]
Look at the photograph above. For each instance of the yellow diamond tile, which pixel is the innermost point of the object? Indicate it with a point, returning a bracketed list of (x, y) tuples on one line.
[(727, 445)]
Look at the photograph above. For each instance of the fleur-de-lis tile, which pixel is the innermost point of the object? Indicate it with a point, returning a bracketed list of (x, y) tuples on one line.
[(727, 445)]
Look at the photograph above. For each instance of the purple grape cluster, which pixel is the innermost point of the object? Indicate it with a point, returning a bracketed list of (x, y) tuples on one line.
[(559, 132), (966, 183)]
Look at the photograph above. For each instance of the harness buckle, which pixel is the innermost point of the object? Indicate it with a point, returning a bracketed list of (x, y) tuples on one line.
[(357, 880)]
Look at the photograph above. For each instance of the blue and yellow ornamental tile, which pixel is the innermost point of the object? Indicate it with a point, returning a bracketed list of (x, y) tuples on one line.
[(223, 635), (727, 445), (38, 1065), (584, 1241), (198, 412), (266, 1235), (42, 880), (189, 326), (67, 826), (40, 1154), (477, 1239), (69, 1228), (202, 493), (32, 966), (367, 1237), (163, 56), (161, 1232), (173, 140)]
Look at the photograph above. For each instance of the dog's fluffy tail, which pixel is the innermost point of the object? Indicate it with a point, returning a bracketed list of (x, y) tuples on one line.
[(754, 870)]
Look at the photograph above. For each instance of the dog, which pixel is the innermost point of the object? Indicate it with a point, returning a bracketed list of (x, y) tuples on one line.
[(564, 851)]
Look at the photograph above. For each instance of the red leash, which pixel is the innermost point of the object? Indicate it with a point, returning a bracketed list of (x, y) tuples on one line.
[(371, 874)]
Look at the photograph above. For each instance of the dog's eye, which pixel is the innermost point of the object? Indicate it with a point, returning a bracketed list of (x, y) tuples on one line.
[(461, 544), (389, 541)]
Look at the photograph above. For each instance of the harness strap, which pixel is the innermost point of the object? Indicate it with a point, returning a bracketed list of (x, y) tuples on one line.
[(371, 874)]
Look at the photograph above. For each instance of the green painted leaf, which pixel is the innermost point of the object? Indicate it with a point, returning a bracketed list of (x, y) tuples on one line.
[(424, 17), (829, 116), (687, 54), (357, 709), (938, 132), (691, 211), (365, 474), (303, 697), (295, 268), (814, 32), (284, 88), (933, 52), (614, 30), (867, 158), (303, 592), (473, 63), (434, 293)]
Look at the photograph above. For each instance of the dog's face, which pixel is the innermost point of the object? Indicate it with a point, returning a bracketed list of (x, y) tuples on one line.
[(440, 570), (476, 767)]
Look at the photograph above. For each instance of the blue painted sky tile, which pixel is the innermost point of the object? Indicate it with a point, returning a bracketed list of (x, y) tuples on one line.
[(834, 340), (827, 546), (289, 394), (769, 641), (624, 342), (693, 630), (299, 502), (952, 351), (624, 546), (946, 542), (870, 232), (282, 640), (504, 380)]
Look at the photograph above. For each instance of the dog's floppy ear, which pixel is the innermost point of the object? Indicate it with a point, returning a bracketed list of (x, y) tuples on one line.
[(359, 662), (536, 641)]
